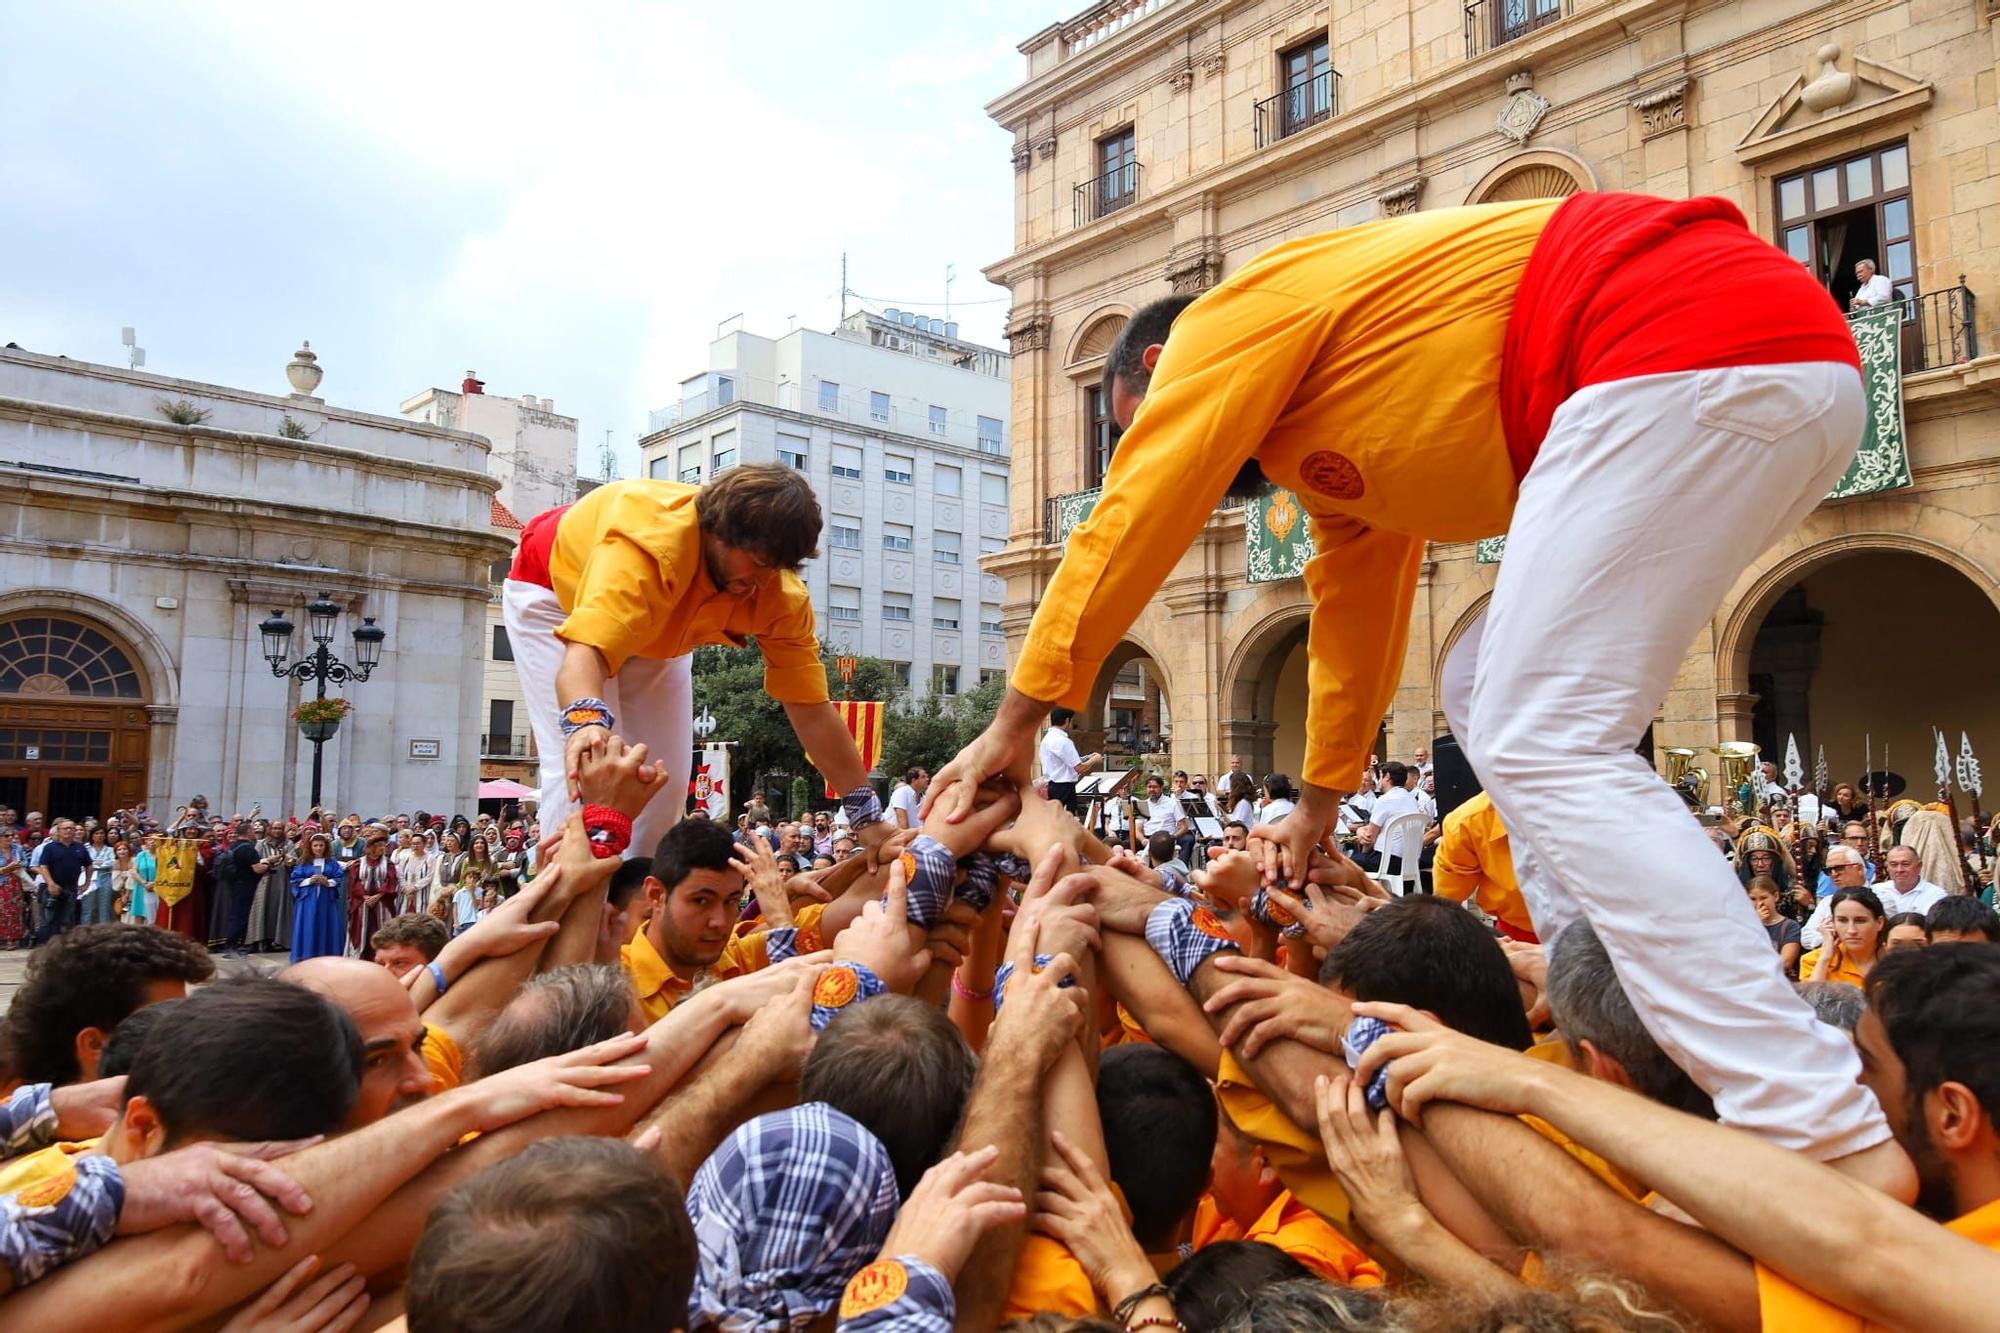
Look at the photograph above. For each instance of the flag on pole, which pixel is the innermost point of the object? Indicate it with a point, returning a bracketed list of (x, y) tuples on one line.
[(864, 723), (714, 776)]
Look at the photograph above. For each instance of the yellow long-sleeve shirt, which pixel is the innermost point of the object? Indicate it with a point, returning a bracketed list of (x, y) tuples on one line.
[(1475, 861), (628, 568), (1361, 368)]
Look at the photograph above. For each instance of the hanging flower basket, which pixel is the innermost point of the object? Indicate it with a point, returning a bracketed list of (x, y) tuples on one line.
[(319, 719)]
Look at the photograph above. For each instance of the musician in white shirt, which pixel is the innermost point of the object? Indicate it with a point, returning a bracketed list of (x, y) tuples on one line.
[(1061, 764), (1875, 289), (1162, 813)]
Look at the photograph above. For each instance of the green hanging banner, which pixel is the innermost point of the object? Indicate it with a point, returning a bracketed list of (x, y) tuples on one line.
[(1276, 540), (1882, 463)]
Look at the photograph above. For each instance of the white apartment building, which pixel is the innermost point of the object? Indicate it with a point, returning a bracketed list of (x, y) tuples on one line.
[(902, 428), (534, 459)]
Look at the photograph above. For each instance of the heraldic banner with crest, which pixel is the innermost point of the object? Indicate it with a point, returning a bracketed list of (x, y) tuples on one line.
[(1276, 541)]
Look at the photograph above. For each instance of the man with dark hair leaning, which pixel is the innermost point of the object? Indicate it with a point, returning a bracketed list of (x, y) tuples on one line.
[(609, 596), (86, 983)]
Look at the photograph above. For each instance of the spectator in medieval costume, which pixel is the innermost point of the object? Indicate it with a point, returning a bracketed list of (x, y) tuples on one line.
[(272, 909), (372, 890)]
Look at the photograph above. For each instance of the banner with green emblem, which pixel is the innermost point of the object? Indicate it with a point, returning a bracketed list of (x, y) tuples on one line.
[(1276, 541), (1882, 463)]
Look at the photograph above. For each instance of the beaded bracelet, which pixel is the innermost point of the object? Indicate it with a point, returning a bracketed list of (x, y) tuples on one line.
[(1156, 1321), (1122, 1311), (965, 992)]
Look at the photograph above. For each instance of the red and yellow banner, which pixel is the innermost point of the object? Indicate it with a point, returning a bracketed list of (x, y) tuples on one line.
[(864, 723)]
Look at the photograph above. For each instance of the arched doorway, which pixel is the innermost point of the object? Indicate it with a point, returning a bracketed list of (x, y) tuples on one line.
[(73, 722), (1130, 711), (1872, 649)]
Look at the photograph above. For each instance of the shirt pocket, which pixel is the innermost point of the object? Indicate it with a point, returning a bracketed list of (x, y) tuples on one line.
[(1763, 402)]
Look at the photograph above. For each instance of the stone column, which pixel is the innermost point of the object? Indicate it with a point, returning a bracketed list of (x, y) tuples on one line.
[(1250, 738)]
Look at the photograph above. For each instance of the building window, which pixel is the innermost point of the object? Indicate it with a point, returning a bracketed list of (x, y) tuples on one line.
[(691, 476), (1100, 436), (1833, 216), (878, 407), (724, 445), (945, 481), (499, 726), (1117, 182), (944, 613), (897, 469), (829, 396), (725, 391), (990, 545), (1491, 23), (944, 548), (844, 533), (990, 436), (989, 675), (503, 651), (944, 679), (992, 488), (896, 607), (900, 673), (844, 604), (895, 537), (846, 462), (792, 452), (937, 419), (1308, 89), (989, 623), (690, 456), (661, 468)]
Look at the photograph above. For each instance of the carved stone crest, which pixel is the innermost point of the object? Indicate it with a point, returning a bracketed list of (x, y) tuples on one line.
[(1215, 62), (1194, 267), (1400, 199), (1181, 77), (1524, 109)]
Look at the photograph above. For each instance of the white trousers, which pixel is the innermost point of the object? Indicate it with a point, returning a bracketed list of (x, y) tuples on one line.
[(1645, 503), (652, 700)]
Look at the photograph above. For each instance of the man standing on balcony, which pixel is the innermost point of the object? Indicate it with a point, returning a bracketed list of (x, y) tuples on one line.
[(1874, 290), (1540, 369), (608, 598)]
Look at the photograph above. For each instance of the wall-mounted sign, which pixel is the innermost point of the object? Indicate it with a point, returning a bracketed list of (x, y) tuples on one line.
[(425, 749)]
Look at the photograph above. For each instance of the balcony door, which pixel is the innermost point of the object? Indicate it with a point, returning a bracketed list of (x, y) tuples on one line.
[(1308, 71), (1833, 216)]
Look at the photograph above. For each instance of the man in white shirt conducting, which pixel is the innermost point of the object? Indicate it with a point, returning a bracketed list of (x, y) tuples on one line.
[(1875, 289), (1061, 764)]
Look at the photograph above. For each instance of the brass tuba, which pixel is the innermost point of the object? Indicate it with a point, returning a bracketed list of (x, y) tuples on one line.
[(1739, 767), (1689, 780)]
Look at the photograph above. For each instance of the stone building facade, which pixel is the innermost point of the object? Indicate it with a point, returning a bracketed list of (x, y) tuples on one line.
[(1161, 144), (149, 524)]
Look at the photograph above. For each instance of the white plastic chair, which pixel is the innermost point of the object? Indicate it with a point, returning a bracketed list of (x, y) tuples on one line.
[(1402, 840)]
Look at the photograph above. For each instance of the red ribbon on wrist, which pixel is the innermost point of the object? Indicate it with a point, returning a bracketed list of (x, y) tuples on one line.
[(610, 833)]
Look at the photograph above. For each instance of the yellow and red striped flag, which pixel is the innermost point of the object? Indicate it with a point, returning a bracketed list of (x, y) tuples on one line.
[(864, 723)]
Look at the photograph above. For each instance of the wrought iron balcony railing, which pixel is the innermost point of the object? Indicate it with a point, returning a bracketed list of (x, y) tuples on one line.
[(496, 746), (1939, 328), (1491, 23), (1107, 193), (1298, 107)]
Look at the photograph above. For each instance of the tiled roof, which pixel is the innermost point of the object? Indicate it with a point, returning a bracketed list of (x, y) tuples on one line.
[(504, 517)]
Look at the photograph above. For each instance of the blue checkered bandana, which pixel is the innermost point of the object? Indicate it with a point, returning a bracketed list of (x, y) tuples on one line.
[(790, 1207)]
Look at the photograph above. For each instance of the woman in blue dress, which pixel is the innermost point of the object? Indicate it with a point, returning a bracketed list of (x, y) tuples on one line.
[(319, 886)]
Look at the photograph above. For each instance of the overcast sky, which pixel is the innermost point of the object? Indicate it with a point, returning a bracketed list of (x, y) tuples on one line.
[(566, 197)]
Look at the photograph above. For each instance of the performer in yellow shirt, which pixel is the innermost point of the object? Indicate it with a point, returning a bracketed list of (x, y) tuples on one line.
[(1474, 861), (696, 895), (1540, 369), (608, 598)]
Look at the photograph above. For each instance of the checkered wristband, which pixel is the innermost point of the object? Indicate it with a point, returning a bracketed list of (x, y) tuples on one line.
[(899, 1295), (1175, 883), (840, 986), (1014, 867), (1360, 1035), (28, 1119), (1268, 911), (1184, 935), (978, 881), (781, 943), (928, 871), (610, 832), (862, 807), (1006, 973), (581, 713), (61, 1219)]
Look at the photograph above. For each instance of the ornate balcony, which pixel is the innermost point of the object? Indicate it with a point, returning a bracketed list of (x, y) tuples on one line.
[(1298, 107), (1107, 193)]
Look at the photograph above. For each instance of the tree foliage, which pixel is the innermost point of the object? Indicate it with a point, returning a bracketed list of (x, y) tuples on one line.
[(766, 757)]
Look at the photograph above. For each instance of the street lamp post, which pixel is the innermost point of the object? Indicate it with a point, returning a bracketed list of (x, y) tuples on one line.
[(321, 666)]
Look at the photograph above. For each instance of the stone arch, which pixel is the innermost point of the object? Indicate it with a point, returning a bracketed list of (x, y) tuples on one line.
[(1096, 334), (1539, 173), (1250, 680), (159, 682), (1093, 722), (1449, 640)]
